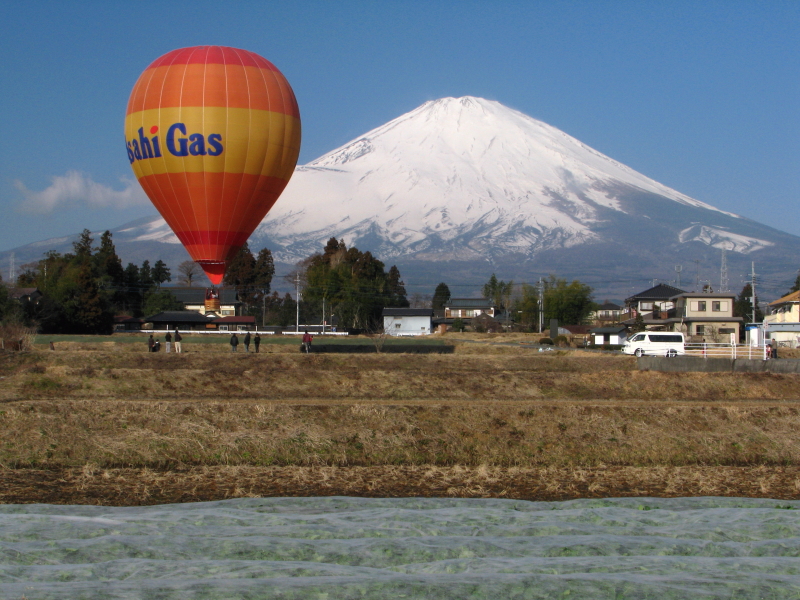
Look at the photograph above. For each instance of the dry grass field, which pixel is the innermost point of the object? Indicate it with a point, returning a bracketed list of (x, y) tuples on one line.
[(107, 422)]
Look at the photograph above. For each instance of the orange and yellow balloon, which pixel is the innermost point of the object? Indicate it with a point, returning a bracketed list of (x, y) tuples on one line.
[(213, 136)]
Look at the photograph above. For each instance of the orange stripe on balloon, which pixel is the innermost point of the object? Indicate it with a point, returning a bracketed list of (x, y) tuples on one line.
[(202, 201)]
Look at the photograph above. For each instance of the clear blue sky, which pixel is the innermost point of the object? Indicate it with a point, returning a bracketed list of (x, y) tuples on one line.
[(701, 96)]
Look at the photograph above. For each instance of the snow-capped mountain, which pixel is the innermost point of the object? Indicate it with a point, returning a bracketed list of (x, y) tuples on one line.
[(487, 188)]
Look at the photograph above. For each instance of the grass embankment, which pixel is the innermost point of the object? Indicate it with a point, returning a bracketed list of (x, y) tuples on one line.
[(111, 423)]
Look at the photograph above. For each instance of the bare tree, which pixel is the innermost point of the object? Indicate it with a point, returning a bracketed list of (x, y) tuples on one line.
[(188, 270), (418, 300)]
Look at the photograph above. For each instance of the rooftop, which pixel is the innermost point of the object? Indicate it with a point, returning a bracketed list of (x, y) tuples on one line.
[(407, 312), (469, 303), (662, 291), (793, 297)]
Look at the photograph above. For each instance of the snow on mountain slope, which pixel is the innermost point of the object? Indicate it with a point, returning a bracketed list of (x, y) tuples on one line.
[(452, 167), (461, 178)]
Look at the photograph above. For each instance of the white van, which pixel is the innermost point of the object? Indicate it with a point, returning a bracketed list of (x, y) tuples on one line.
[(655, 343)]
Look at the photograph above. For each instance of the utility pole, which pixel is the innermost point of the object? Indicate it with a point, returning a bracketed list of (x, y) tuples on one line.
[(323, 315), (541, 305), (297, 295), (697, 280), (12, 271), (753, 290), (678, 269)]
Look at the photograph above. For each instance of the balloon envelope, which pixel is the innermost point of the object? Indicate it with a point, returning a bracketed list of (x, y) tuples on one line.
[(213, 135)]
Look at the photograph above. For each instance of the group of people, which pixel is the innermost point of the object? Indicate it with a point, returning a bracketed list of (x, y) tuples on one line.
[(235, 342), (154, 345)]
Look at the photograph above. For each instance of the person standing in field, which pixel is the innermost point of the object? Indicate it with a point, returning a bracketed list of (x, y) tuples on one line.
[(306, 345), (234, 342), (167, 342), (178, 339), (257, 341), (151, 343), (247, 342)]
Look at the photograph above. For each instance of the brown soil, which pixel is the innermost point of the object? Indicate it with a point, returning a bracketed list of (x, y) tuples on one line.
[(132, 487), (106, 424)]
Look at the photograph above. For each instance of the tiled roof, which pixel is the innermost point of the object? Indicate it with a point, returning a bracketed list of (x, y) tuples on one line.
[(660, 292), (609, 306), (407, 312), (793, 297), (232, 319), (468, 303)]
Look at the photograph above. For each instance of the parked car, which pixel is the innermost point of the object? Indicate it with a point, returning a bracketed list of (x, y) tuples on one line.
[(652, 343)]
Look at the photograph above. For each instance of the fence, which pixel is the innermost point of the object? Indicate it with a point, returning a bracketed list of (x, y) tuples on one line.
[(734, 351)]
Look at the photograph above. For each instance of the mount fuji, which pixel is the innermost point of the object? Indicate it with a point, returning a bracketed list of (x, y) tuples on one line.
[(467, 187)]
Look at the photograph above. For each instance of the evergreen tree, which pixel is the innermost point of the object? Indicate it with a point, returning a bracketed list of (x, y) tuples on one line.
[(146, 280), (83, 245), (441, 296), (263, 272), (240, 273), (353, 284), (108, 264), (743, 307), (132, 291), (397, 290), (160, 273), (498, 292)]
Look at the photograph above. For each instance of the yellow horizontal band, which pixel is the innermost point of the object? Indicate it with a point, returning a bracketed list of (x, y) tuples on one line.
[(214, 140)]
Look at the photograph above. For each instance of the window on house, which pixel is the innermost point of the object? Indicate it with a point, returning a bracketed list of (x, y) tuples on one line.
[(716, 306), (241, 327), (223, 328), (700, 329), (701, 306), (724, 330), (646, 306), (397, 325)]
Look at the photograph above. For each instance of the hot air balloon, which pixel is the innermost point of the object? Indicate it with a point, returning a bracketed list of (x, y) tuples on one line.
[(213, 135)]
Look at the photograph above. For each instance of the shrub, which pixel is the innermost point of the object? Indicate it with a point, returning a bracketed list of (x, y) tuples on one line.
[(546, 341), (561, 340)]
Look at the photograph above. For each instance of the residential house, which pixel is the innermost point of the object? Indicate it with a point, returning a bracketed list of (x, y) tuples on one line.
[(126, 323), (23, 295), (243, 323), (607, 313), (609, 336), (195, 299), (657, 298), (705, 315), (407, 321), (784, 313), (702, 315), (467, 308)]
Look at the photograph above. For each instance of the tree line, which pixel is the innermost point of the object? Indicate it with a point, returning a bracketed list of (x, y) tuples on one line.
[(84, 289)]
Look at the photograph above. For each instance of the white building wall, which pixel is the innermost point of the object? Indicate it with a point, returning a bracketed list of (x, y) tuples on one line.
[(407, 325)]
